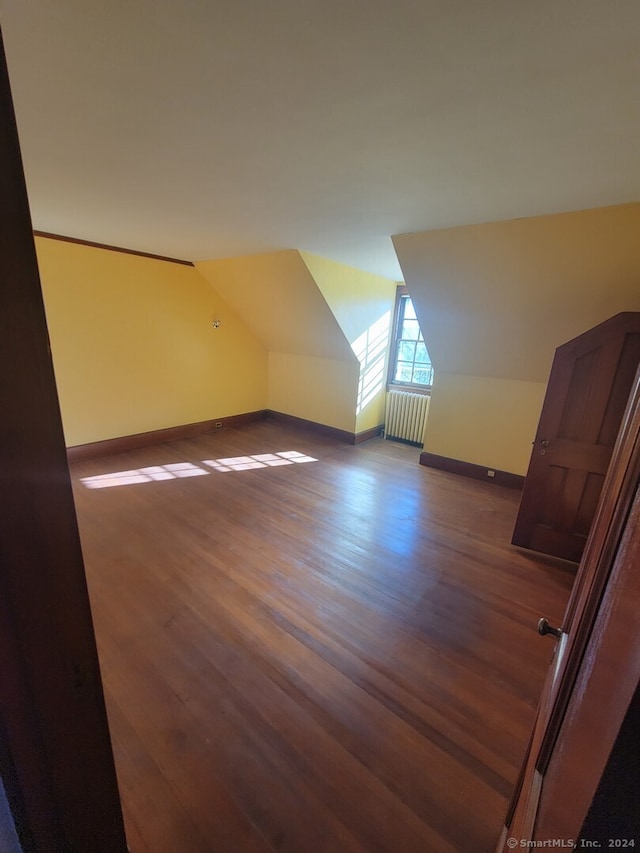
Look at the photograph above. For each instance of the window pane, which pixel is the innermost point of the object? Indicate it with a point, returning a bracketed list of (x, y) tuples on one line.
[(412, 361), (423, 375), (406, 351), (421, 353), (403, 372), (410, 330), (409, 310)]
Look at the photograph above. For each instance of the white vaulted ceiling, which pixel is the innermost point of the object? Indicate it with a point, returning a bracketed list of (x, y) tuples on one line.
[(203, 130)]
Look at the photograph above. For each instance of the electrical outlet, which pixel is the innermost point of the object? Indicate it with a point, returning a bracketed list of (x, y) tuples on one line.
[(491, 473)]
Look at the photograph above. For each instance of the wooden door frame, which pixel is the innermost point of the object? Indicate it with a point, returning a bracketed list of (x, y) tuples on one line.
[(608, 524), (607, 680), (595, 579), (55, 752)]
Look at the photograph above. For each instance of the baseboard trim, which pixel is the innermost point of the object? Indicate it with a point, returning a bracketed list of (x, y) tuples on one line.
[(124, 443), (158, 436), (469, 469), (320, 429), (368, 434)]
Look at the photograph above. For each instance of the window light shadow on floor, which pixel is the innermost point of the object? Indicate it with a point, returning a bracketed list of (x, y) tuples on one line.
[(178, 470)]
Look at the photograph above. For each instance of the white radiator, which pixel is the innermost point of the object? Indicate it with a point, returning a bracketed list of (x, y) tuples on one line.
[(406, 416)]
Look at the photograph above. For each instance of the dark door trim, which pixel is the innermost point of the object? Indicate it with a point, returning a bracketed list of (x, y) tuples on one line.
[(57, 762)]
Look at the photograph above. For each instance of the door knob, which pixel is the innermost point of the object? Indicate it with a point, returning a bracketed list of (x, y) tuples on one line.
[(545, 443), (545, 628)]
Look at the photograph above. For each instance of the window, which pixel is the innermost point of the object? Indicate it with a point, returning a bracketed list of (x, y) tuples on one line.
[(410, 362)]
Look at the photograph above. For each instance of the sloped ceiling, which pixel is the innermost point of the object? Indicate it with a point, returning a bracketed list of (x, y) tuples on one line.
[(280, 303), (495, 300), (359, 300), (208, 130)]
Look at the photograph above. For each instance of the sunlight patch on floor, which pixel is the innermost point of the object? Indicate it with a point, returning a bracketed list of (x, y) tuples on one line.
[(178, 470)]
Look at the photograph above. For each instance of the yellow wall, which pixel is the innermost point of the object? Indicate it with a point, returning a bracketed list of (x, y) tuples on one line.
[(311, 365), (280, 302), (495, 300), (133, 345), (492, 421), (363, 305), (316, 389)]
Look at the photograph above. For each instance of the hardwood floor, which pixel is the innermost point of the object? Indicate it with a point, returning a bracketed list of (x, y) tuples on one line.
[(332, 655)]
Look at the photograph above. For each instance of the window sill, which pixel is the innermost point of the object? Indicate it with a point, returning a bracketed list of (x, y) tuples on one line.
[(413, 389)]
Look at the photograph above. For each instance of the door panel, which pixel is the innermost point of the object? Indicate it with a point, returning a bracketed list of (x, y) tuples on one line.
[(588, 389)]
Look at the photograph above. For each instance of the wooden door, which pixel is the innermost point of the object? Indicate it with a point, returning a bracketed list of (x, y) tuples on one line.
[(55, 753), (596, 666), (589, 385)]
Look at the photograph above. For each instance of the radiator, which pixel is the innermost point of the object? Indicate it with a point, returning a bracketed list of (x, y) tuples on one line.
[(406, 416)]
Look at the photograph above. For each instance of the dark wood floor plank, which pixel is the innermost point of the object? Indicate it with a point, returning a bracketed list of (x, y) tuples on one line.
[(383, 741), (155, 819), (333, 655)]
